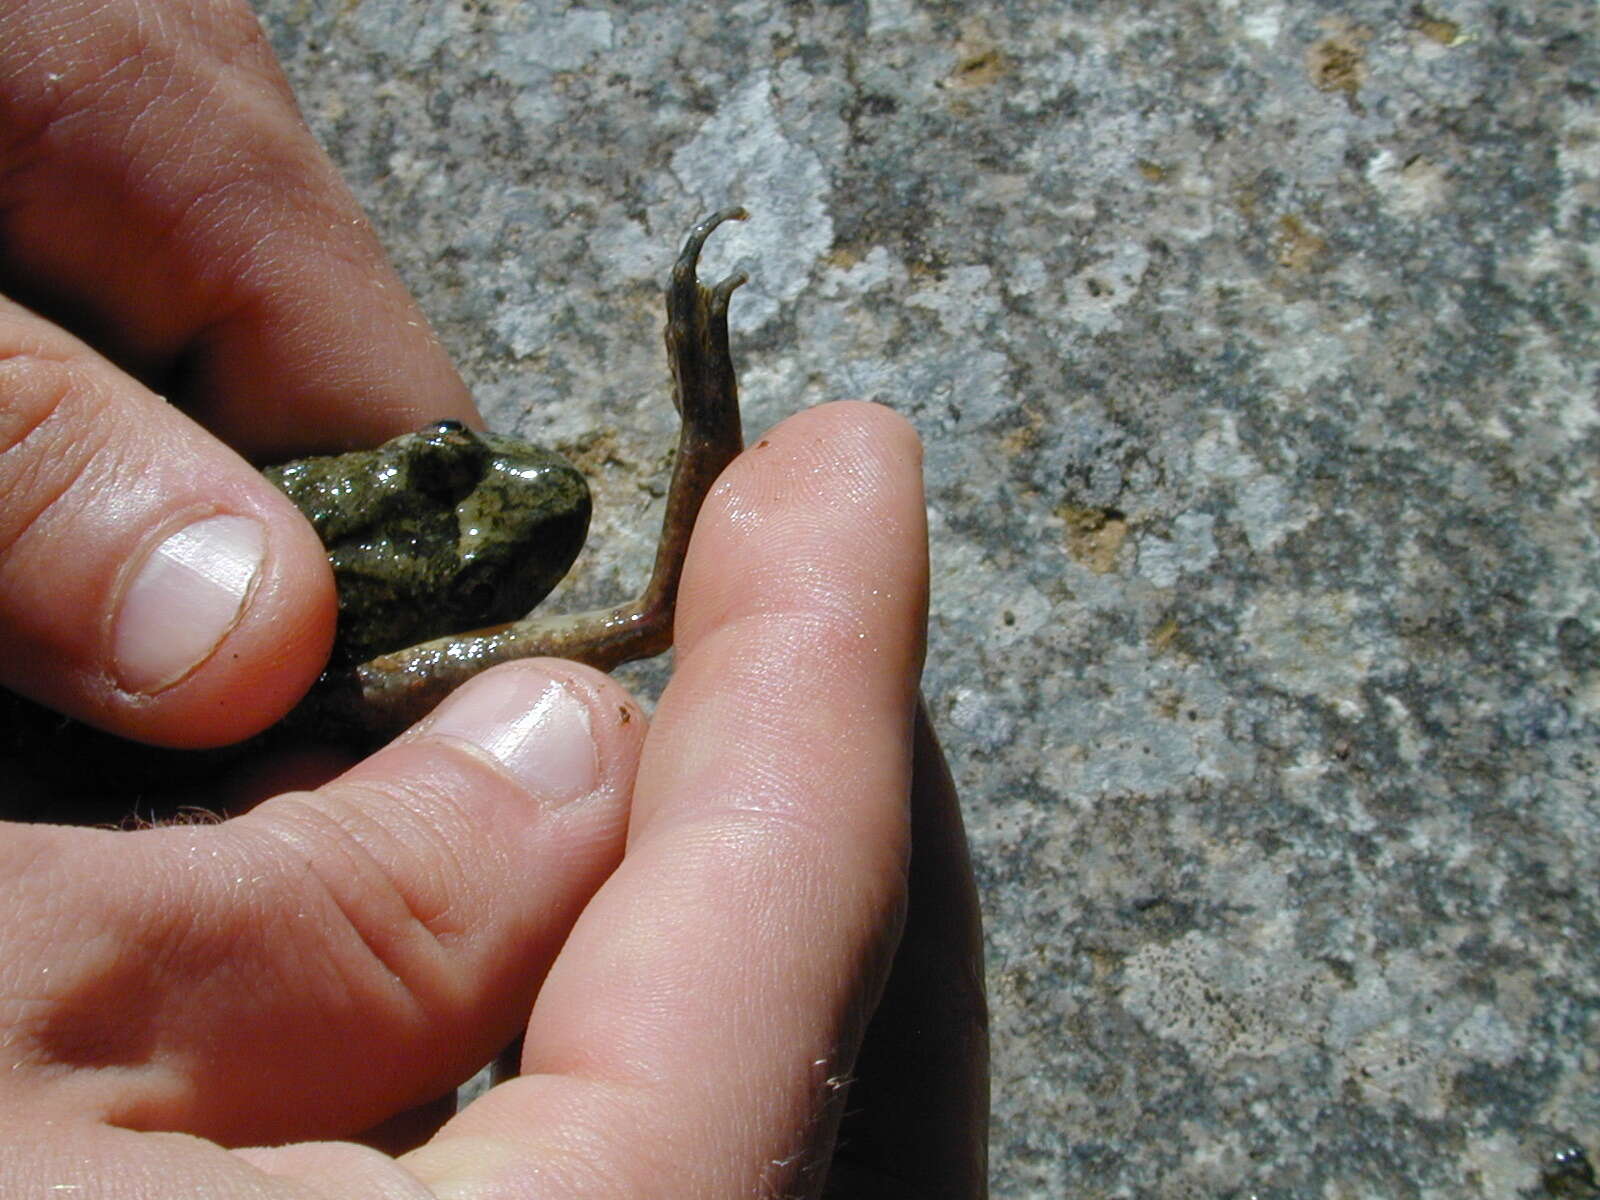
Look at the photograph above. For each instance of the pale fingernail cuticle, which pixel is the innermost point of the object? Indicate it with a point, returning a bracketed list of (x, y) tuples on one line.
[(535, 728), (184, 599)]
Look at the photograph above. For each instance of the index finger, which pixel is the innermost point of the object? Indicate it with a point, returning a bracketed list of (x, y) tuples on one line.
[(162, 198), (697, 1033)]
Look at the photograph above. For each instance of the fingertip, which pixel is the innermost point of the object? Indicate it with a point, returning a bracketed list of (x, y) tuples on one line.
[(844, 423), (846, 458), (875, 420), (823, 514)]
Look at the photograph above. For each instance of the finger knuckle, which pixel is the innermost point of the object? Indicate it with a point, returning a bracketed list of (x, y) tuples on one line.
[(396, 920), (48, 437)]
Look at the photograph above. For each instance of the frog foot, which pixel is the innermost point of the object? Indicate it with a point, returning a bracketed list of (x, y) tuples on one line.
[(385, 695), (706, 396)]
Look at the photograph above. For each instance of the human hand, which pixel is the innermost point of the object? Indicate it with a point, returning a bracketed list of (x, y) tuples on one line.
[(162, 202), (336, 956)]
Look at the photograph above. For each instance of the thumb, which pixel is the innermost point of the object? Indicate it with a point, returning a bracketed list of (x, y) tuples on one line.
[(151, 582), (332, 957)]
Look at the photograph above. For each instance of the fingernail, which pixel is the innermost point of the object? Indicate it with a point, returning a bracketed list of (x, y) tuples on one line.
[(532, 726), (186, 597)]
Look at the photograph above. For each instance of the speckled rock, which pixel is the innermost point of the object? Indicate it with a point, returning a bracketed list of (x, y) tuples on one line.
[(1254, 347)]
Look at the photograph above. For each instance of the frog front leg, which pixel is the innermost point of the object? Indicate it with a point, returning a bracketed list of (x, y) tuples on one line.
[(378, 698)]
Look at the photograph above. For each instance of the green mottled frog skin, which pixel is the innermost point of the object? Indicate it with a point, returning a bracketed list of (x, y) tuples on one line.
[(439, 531), (443, 541)]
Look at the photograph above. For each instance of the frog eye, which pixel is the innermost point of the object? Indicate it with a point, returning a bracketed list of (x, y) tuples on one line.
[(445, 466), (480, 600)]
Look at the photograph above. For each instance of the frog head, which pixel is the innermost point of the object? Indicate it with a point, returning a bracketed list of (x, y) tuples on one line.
[(438, 532)]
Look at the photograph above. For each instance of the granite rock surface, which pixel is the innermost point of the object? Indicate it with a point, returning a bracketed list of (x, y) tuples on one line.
[(1254, 346)]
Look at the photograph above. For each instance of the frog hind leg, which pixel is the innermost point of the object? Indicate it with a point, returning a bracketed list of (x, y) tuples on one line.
[(706, 396), (381, 697)]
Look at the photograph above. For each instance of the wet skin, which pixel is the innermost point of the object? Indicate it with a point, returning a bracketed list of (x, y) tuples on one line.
[(443, 541), (438, 532)]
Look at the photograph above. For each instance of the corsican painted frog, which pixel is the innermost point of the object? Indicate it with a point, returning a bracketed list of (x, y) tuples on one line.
[(450, 535)]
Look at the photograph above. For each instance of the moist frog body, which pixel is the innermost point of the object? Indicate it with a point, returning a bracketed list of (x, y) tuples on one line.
[(442, 541), (439, 531)]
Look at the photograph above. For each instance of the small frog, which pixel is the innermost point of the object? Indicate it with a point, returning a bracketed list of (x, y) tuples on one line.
[(438, 532), (449, 535)]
